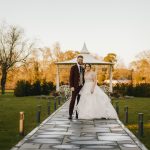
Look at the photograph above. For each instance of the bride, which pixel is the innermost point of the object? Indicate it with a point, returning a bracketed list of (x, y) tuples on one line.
[(94, 103)]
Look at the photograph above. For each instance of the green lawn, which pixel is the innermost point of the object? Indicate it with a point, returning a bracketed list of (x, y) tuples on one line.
[(10, 106), (137, 105)]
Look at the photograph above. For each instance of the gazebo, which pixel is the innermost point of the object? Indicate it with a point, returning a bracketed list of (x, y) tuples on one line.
[(87, 58)]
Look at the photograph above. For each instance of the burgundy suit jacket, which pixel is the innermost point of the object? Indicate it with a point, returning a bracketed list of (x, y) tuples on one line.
[(75, 77)]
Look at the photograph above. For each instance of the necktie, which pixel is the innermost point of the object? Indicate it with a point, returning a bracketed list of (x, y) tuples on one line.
[(81, 76), (80, 69)]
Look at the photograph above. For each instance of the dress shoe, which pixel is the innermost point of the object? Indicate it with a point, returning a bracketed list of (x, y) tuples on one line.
[(76, 115), (70, 117), (103, 118)]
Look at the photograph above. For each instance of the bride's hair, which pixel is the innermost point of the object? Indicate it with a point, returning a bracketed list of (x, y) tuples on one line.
[(80, 56), (88, 65)]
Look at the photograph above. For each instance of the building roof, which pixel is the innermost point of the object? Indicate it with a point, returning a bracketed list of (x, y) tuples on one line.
[(87, 58)]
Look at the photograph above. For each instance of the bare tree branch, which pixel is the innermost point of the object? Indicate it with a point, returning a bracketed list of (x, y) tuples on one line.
[(13, 49)]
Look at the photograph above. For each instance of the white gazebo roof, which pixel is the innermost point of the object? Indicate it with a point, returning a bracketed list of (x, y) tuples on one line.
[(87, 58)]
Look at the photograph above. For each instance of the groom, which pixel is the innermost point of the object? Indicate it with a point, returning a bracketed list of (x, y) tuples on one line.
[(76, 82)]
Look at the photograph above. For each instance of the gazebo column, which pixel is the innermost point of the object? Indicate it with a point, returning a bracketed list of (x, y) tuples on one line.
[(57, 77), (96, 70), (110, 79)]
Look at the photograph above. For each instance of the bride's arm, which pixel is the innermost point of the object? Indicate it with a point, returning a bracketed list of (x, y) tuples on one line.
[(95, 82)]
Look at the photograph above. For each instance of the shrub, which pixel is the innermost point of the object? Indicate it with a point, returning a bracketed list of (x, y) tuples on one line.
[(45, 88), (51, 85), (28, 88), (36, 88), (142, 90), (23, 88), (138, 90)]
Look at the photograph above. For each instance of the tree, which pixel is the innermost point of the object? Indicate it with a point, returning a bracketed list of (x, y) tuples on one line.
[(13, 49), (121, 73), (141, 67), (111, 57), (144, 55), (57, 50), (141, 70)]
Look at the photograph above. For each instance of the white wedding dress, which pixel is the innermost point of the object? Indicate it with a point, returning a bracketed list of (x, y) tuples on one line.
[(96, 105)]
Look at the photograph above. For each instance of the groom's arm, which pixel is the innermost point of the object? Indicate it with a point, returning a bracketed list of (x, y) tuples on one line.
[(71, 78)]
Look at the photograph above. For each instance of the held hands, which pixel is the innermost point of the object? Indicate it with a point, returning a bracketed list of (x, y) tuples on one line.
[(72, 89)]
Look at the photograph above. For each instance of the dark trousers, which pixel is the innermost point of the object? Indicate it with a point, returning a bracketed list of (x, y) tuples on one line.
[(75, 94)]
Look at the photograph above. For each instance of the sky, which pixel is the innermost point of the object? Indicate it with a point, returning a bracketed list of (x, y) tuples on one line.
[(118, 26)]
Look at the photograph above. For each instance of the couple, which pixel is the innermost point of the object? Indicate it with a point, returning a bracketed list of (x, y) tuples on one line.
[(92, 102)]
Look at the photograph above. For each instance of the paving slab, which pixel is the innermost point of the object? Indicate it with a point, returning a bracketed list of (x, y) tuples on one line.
[(57, 132)]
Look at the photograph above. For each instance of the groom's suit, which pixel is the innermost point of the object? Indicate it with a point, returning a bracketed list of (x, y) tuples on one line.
[(76, 80)]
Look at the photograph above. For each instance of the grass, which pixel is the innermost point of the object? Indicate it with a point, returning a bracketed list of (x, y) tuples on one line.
[(136, 105), (10, 106), (8, 91)]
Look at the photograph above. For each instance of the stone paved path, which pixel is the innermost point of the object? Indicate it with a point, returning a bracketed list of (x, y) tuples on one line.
[(57, 132)]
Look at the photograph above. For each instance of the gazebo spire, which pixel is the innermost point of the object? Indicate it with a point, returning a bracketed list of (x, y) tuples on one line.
[(84, 49)]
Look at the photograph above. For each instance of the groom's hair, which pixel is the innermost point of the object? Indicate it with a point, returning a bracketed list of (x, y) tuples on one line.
[(80, 56)]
